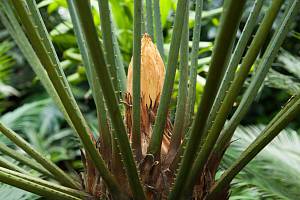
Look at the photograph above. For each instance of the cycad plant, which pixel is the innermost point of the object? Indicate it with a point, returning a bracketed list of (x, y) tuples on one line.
[(138, 152)]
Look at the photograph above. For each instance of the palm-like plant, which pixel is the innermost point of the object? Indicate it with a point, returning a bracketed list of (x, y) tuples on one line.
[(135, 160)]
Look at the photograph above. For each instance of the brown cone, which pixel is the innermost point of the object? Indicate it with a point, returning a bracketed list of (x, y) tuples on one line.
[(152, 79)]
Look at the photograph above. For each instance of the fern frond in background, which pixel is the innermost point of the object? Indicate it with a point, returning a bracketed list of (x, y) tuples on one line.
[(6, 62), (274, 173)]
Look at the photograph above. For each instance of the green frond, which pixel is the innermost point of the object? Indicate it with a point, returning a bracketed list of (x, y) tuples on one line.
[(223, 45), (233, 92), (258, 78), (149, 18), (277, 124), (84, 16), (278, 161), (290, 62), (160, 121), (194, 64), (179, 125), (12, 193), (278, 80), (33, 187), (236, 58), (136, 79), (158, 28)]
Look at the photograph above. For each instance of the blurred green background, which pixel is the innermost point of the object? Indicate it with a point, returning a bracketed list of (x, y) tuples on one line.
[(25, 106)]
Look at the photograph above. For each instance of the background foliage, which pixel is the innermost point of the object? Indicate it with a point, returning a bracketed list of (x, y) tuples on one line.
[(25, 106)]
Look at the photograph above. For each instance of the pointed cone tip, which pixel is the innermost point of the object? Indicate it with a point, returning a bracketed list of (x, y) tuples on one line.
[(152, 71)]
